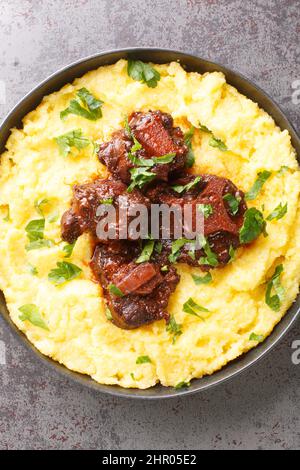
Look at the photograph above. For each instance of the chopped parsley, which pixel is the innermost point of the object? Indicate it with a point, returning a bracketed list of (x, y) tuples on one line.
[(218, 143), (182, 188), (108, 314), (190, 158), (182, 385), (38, 204), (35, 229), (283, 169), (278, 212), (204, 129), (150, 162), (68, 249), (71, 139), (176, 247), (231, 254), (164, 268), (233, 203), (139, 177), (262, 177), (143, 360), (146, 252), (113, 289), (7, 217), (274, 301), (32, 270), (64, 272), (255, 337), (254, 224), (85, 105), (53, 217), (107, 201), (31, 313), (202, 279), (206, 209), (174, 328), (143, 72), (37, 244), (191, 307), (211, 258)]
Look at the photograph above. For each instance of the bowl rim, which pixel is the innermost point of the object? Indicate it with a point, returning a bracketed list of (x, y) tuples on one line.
[(247, 359)]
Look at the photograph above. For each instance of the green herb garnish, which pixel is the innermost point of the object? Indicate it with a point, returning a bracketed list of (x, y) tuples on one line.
[(254, 224), (174, 328), (7, 217), (262, 177), (146, 252), (37, 244), (176, 247), (113, 289), (143, 360), (181, 188), (108, 314), (143, 72), (206, 209), (204, 129), (68, 249), (255, 337), (278, 212), (231, 254), (190, 158), (164, 268), (32, 270), (31, 313), (85, 105), (283, 169), (107, 201), (71, 139), (202, 279), (233, 203), (64, 272), (211, 258), (274, 301), (191, 307), (218, 143), (182, 385), (139, 177), (35, 229)]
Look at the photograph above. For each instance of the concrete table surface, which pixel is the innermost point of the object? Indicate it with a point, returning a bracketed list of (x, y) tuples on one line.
[(259, 409)]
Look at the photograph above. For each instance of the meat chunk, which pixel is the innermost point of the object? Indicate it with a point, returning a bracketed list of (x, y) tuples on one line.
[(157, 137), (221, 226), (83, 215), (145, 289)]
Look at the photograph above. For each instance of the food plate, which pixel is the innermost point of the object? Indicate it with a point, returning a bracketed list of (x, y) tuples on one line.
[(190, 63)]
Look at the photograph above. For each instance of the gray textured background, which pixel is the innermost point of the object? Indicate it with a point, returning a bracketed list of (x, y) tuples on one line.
[(260, 409)]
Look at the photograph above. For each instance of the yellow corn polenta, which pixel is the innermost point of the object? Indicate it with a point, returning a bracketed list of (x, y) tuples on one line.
[(80, 336)]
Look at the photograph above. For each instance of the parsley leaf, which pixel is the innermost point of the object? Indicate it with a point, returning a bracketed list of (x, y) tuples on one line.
[(211, 258), (262, 177), (68, 249), (231, 253), (92, 109), (35, 229), (7, 217), (206, 209), (191, 307), (254, 224), (37, 244), (181, 188), (204, 129), (140, 177), (202, 279), (143, 72), (274, 301), (146, 252), (174, 328), (218, 143), (31, 313), (176, 247), (108, 314), (182, 385), (150, 162), (233, 203), (113, 289), (278, 212), (283, 169), (38, 204), (71, 139), (143, 360), (64, 272), (255, 337), (190, 158)]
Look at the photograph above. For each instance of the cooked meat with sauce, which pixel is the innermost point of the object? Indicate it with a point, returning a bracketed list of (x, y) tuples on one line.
[(145, 290), (87, 198), (157, 137), (137, 289)]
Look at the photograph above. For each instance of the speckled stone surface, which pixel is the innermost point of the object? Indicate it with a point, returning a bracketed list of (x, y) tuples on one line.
[(38, 408)]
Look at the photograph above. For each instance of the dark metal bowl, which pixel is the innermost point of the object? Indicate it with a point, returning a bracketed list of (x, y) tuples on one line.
[(191, 63)]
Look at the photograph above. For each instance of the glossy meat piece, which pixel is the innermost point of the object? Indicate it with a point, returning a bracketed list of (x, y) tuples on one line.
[(82, 216), (155, 132), (146, 289)]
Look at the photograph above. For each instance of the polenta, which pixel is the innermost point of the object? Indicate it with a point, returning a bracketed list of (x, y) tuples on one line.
[(36, 182)]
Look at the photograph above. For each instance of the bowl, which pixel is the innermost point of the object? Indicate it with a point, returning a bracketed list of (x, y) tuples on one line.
[(190, 63)]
